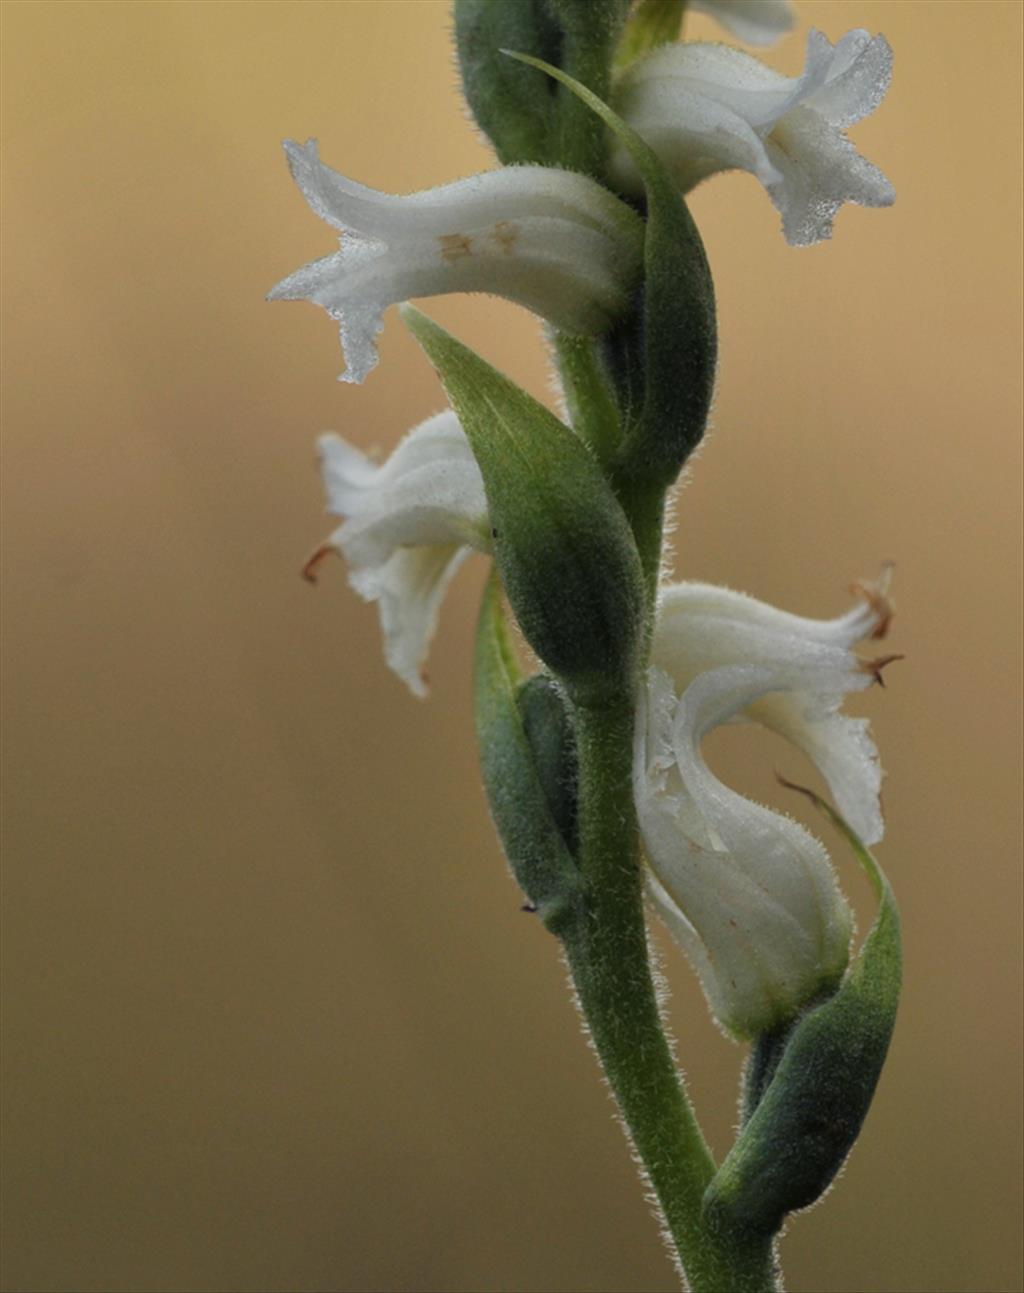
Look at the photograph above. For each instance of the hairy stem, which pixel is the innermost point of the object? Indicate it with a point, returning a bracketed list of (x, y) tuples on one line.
[(608, 957)]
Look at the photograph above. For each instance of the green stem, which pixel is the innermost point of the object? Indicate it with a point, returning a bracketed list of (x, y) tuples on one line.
[(591, 405), (582, 143), (608, 957), (644, 505)]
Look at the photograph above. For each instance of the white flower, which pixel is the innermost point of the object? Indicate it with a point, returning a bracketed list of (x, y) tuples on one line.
[(708, 108), (410, 524), (749, 894), (701, 627), (758, 22), (556, 242)]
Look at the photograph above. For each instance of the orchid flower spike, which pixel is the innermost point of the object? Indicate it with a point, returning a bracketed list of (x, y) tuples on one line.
[(701, 627), (758, 22), (410, 523), (749, 895), (556, 242), (708, 108)]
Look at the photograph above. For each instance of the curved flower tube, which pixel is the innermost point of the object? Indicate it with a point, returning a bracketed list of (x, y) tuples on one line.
[(410, 523), (758, 22), (708, 108), (701, 627), (556, 242), (749, 895)]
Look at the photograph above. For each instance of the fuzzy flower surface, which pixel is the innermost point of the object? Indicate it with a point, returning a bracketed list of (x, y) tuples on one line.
[(706, 108), (703, 626), (749, 894), (409, 524), (758, 22), (556, 242)]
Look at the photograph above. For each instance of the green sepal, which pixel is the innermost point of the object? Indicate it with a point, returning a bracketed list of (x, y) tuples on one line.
[(561, 540), (520, 805), (668, 351), (515, 107), (652, 23), (811, 1111), (544, 713)]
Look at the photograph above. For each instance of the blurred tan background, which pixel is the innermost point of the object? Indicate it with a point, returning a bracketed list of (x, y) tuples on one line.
[(274, 1018)]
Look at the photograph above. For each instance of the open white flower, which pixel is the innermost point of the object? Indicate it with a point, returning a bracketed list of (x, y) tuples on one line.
[(701, 627), (410, 523), (748, 894), (706, 108), (556, 242), (758, 22)]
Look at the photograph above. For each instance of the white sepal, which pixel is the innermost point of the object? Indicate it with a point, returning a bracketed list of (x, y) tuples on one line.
[(749, 895), (410, 523), (758, 22), (706, 108), (556, 242), (701, 627)]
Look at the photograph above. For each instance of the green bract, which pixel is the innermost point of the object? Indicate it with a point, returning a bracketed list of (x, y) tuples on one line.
[(561, 540), (549, 732), (813, 1102), (514, 771)]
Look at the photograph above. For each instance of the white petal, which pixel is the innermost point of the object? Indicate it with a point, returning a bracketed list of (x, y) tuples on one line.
[(409, 589), (410, 523), (684, 603), (556, 242), (730, 77), (694, 136), (702, 627), (841, 748), (474, 203), (820, 171), (750, 895), (705, 108), (353, 482), (758, 22), (857, 81)]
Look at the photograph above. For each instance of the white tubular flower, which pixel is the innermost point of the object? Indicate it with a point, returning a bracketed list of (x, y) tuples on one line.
[(701, 627), (556, 242), (748, 894), (758, 22), (410, 523), (708, 108)]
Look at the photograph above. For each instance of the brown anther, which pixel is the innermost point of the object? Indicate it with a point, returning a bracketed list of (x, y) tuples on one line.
[(312, 565), (875, 666), (876, 593), (455, 245)]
